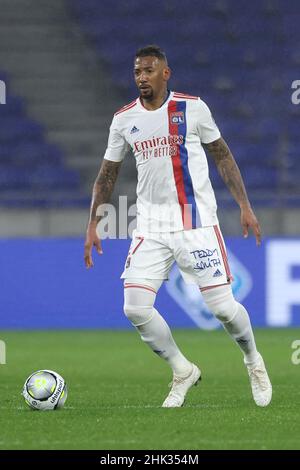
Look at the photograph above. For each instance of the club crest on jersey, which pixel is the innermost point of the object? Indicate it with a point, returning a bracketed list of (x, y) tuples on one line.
[(177, 117)]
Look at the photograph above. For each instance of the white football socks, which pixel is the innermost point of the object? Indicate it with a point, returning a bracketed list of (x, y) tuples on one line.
[(154, 331), (138, 307), (157, 334), (234, 318), (240, 329)]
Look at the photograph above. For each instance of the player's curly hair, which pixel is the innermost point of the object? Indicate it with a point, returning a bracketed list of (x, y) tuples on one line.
[(151, 50)]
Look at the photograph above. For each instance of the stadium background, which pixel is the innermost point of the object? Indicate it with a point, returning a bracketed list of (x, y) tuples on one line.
[(66, 66)]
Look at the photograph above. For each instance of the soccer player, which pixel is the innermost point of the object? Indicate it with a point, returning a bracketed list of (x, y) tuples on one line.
[(176, 218)]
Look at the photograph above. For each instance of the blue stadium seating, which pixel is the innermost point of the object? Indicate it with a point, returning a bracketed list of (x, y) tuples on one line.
[(29, 164), (240, 57)]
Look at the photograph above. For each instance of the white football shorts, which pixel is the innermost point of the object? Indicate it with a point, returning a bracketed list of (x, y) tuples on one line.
[(199, 253)]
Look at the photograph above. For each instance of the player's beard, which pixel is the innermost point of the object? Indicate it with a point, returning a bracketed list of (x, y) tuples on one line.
[(147, 94)]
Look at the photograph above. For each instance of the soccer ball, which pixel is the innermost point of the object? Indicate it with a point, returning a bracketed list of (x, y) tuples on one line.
[(45, 390)]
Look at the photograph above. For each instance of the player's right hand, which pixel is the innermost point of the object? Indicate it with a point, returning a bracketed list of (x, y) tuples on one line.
[(91, 240)]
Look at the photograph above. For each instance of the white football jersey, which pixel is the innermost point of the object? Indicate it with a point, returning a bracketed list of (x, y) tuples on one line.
[(174, 191)]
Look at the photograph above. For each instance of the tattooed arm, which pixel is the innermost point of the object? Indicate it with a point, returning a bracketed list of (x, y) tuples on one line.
[(102, 190), (103, 187), (231, 175)]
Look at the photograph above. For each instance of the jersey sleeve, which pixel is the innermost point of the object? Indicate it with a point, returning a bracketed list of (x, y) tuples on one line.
[(117, 147), (207, 127)]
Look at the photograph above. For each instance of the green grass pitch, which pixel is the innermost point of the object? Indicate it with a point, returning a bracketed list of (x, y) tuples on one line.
[(116, 386)]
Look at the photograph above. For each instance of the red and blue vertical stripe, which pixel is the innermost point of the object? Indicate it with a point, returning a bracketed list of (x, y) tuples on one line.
[(183, 181)]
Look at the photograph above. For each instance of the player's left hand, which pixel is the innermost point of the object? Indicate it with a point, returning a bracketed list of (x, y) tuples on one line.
[(249, 220)]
